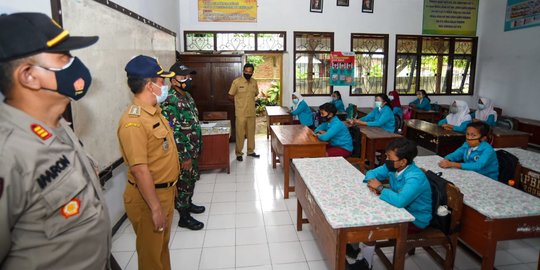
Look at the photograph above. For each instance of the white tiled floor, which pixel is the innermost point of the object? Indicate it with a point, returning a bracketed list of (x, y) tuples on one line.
[(249, 226)]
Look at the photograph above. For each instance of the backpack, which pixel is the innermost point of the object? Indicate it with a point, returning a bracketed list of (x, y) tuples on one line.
[(351, 111), (356, 140), (507, 165), (441, 215)]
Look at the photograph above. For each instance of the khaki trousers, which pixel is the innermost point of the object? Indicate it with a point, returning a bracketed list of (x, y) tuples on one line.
[(152, 246), (245, 126)]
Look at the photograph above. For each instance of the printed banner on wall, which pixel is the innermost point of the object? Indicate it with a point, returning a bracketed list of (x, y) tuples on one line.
[(450, 17), (342, 68), (522, 14), (227, 10)]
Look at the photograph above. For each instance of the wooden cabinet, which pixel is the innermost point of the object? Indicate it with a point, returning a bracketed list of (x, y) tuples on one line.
[(212, 82)]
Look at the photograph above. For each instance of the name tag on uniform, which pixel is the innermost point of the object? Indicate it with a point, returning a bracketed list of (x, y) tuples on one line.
[(165, 145)]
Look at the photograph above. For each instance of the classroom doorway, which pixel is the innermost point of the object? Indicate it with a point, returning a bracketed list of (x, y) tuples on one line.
[(269, 76)]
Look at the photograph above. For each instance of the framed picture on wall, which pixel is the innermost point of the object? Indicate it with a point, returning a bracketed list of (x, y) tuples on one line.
[(367, 6), (316, 6), (343, 3)]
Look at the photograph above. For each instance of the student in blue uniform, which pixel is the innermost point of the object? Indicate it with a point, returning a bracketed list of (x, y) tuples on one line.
[(422, 101), (381, 116), (332, 130), (409, 188), (475, 154), (485, 112), (458, 117), (301, 110), (337, 101)]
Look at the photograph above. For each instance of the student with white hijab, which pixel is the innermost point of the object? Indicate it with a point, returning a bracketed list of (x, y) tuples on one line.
[(485, 112), (301, 110), (458, 118)]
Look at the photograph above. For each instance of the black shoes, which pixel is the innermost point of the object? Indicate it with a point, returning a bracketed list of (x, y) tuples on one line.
[(359, 265), (254, 155), (195, 209), (239, 158), (187, 221)]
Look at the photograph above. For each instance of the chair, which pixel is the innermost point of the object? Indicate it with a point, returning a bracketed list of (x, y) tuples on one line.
[(214, 115), (434, 237), (356, 136), (398, 124)]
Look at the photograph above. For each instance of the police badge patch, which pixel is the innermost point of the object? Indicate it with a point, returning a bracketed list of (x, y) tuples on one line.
[(165, 145)]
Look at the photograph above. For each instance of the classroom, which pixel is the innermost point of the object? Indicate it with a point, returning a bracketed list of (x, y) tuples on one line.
[(270, 134)]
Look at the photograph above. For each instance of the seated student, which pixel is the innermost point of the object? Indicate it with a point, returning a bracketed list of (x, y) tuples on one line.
[(381, 116), (485, 112), (422, 102), (332, 130), (301, 110), (409, 189), (475, 154), (458, 117), (396, 103), (337, 101)]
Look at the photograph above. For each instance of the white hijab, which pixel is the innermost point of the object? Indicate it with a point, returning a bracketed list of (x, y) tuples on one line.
[(299, 97), (455, 119), (487, 111)]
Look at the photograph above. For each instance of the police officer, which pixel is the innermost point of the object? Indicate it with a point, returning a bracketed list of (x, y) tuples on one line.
[(148, 148), (52, 210), (243, 91), (180, 109)]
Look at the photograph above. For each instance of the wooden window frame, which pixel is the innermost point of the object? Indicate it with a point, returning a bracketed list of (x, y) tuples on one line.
[(385, 53), (256, 33)]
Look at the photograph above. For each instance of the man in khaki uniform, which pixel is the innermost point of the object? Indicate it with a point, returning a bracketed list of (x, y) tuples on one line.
[(148, 148), (243, 91), (52, 211)]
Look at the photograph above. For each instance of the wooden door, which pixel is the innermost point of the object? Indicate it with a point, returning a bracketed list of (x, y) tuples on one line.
[(212, 82)]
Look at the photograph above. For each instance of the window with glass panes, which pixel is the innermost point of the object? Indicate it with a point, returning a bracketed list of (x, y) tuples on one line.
[(440, 65), (371, 52), (312, 62), (247, 41)]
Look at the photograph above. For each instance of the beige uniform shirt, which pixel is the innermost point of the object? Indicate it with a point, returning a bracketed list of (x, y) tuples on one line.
[(244, 93), (146, 138), (52, 210)]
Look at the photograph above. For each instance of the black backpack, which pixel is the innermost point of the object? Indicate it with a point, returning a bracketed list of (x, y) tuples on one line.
[(439, 199), (356, 140), (507, 165)]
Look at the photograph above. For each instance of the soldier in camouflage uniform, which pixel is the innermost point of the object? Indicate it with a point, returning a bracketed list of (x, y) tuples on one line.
[(179, 108)]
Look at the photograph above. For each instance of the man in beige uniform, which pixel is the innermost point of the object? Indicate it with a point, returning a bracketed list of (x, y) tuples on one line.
[(243, 91), (52, 210), (148, 147)]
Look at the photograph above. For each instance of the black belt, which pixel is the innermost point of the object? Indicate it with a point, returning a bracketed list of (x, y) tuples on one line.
[(158, 186)]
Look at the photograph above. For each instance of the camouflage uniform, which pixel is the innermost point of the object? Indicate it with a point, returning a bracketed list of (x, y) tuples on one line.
[(183, 118)]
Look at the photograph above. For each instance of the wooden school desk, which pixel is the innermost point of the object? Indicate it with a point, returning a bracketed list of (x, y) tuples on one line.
[(341, 209), (509, 138), (492, 211), (373, 139), (530, 170), (530, 126), (293, 141), (277, 114), (363, 111), (429, 116), (215, 146), (433, 137)]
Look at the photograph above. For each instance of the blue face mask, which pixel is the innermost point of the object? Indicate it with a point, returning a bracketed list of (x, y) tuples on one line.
[(481, 106), (295, 101), (378, 104), (72, 80), (164, 93)]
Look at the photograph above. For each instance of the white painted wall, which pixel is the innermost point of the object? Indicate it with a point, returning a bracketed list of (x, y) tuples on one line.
[(390, 17), (508, 71)]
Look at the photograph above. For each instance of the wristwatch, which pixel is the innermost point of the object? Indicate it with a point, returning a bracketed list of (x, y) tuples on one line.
[(380, 188)]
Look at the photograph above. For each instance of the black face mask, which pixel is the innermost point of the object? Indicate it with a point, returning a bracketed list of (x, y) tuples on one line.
[(325, 118), (390, 165), (73, 80), (247, 76), (185, 85)]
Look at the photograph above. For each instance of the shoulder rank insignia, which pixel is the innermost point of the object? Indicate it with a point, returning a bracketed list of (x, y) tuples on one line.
[(135, 110), (131, 124), (71, 208), (40, 131)]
